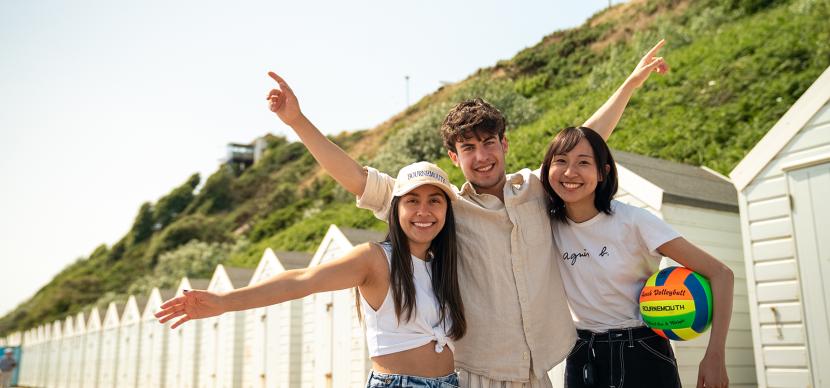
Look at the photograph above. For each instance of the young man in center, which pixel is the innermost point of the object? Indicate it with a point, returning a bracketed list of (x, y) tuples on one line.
[(519, 324)]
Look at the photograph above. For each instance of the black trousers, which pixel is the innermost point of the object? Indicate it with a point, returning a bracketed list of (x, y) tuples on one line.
[(631, 358)]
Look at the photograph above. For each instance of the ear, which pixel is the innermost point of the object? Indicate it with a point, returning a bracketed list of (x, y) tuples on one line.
[(505, 144), (453, 157), (607, 170)]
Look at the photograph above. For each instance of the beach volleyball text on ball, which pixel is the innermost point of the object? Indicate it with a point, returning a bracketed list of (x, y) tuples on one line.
[(677, 303)]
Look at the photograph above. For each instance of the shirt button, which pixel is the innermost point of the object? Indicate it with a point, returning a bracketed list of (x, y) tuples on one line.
[(525, 356), (524, 300)]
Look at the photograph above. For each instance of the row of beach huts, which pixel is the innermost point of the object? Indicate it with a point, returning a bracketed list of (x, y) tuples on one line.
[(769, 221)]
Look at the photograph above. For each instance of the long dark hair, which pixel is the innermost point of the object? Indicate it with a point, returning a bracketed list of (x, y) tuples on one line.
[(444, 266), (607, 184)]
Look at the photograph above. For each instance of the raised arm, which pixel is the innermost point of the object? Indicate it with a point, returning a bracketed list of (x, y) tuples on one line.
[(605, 119), (337, 163), (712, 370), (355, 269)]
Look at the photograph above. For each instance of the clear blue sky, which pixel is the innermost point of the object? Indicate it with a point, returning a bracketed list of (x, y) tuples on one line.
[(108, 104)]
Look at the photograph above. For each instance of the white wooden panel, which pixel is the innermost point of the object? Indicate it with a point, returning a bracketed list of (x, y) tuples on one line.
[(771, 208), (735, 356), (783, 334), (630, 200), (783, 313), (737, 339), (788, 377), (703, 218), (708, 236), (785, 356), (822, 116), (809, 137), (777, 291), (769, 229), (774, 168), (732, 253), (776, 270), (773, 249), (740, 304), (765, 188)]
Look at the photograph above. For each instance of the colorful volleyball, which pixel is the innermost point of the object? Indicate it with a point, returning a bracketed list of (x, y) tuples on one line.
[(677, 303)]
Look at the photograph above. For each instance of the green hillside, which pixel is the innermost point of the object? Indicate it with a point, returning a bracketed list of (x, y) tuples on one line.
[(737, 66)]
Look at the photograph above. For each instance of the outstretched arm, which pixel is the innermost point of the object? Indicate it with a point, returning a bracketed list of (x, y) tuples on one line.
[(605, 119), (712, 370), (337, 163), (352, 270)]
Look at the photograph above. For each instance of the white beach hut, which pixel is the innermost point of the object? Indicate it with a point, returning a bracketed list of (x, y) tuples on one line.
[(273, 334), (27, 349), (108, 372), (334, 346), (129, 342), (42, 373), (702, 206), (54, 368), (223, 336), (152, 368), (784, 196), (67, 352), (76, 365), (92, 350), (184, 344)]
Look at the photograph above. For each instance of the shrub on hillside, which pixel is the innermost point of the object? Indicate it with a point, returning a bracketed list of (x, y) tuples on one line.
[(422, 139), (196, 259), (169, 206)]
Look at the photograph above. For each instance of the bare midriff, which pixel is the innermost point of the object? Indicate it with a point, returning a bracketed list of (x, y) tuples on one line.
[(421, 361)]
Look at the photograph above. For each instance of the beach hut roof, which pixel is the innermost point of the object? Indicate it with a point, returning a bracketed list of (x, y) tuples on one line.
[(360, 236), (293, 260), (682, 183), (239, 277)]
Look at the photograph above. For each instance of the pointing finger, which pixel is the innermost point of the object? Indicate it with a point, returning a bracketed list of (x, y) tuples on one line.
[(280, 81), (656, 48)]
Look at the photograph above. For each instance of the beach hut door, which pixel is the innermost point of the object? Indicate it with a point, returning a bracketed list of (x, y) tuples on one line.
[(810, 191)]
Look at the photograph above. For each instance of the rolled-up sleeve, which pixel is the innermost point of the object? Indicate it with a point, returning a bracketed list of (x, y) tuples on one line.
[(377, 195)]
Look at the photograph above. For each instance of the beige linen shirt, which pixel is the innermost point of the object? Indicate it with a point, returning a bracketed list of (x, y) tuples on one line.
[(514, 301)]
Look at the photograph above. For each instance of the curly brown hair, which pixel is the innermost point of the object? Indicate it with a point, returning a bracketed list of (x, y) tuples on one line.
[(470, 118)]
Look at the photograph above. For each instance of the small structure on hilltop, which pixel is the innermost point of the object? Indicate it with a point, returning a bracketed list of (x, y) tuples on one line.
[(243, 156), (784, 187)]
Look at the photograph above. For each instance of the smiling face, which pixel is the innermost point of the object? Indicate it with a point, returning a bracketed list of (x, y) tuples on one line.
[(481, 159), (421, 214), (574, 175)]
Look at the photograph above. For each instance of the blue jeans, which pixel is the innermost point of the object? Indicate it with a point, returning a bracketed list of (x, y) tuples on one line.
[(383, 380)]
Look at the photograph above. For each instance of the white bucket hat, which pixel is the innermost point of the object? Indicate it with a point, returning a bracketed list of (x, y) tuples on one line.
[(422, 173)]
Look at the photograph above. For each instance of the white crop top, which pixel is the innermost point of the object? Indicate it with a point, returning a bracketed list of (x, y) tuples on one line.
[(386, 335)]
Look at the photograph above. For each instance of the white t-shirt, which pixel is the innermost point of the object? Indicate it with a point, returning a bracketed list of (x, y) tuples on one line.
[(605, 261)]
